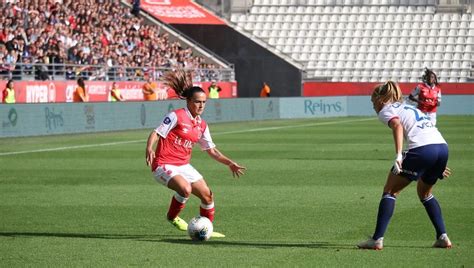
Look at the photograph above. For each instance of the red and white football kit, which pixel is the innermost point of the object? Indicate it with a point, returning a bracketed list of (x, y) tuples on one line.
[(428, 99), (178, 132)]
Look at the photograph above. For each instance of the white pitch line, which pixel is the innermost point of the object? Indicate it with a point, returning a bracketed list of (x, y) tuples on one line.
[(214, 134), (293, 126), (70, 147)]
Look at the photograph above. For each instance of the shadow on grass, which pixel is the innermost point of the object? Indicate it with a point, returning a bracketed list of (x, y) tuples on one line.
[(79, 235), (174, 240), (184, 240), (260, 244), (273, 244)]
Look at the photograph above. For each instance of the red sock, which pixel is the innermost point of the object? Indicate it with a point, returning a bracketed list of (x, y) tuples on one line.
[(208, 213), (175, 208)]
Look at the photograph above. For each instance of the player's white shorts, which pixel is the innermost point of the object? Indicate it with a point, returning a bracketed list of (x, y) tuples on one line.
[(163, 174)]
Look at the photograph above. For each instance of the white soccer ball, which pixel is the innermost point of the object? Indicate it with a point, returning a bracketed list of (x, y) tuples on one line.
[(200, 228)]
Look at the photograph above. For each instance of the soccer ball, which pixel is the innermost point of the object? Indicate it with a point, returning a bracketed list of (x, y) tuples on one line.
[(200, 228)]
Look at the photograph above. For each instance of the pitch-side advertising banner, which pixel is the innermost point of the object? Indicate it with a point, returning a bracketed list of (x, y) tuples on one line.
[(179, 12), (99, 91)]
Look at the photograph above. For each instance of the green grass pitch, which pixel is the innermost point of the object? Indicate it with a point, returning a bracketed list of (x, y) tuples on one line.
[(310, 193)]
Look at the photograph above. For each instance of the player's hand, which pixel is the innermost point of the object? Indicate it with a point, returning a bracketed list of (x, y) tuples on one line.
[(446, 172), (150, 156), (236, 169), (397, 164)]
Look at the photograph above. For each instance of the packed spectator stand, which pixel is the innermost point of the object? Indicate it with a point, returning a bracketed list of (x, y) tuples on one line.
[(95, 39)]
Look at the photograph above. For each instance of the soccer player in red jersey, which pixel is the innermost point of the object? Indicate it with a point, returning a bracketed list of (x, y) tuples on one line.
[(427, 95), (175, 138)]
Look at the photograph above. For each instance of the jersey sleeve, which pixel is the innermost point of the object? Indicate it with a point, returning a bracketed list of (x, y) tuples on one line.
[(205, 141), (387, 114), (168, 123)]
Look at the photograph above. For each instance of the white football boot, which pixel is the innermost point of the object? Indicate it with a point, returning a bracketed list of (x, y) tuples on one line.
[(443, 242), (371, 244)]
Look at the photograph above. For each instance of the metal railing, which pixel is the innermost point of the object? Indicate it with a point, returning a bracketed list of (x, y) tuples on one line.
[(25, 71)]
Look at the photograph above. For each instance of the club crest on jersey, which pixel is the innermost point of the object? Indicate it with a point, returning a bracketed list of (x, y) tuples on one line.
[(167, 121)]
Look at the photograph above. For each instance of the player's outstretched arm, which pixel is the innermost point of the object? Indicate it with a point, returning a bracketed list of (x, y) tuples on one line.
[(412, 98), (397, 130), (236, 169), (150, 151)]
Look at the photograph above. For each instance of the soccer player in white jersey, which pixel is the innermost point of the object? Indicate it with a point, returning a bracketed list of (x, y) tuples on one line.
[(424, 162), (175, 138)]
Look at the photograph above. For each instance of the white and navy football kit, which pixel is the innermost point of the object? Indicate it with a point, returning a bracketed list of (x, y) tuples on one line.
[(427, 154)]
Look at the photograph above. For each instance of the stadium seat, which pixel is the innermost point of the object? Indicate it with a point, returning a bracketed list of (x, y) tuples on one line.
[(446, 64), (404, 37), (430, 9), (350, 64)]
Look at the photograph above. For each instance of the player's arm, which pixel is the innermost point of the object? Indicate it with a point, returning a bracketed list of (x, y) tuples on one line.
[(82, 95), (236, 169), (161, 132), (438, 99), (397, 131), (153, 138), (147, 89), (119, 96), (414, 95)]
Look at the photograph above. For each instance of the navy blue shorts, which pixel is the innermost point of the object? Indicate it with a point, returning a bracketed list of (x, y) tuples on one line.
[(426, 162)]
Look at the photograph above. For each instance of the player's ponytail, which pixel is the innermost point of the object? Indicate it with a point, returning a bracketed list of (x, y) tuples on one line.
[(387, 93), (182, 83)]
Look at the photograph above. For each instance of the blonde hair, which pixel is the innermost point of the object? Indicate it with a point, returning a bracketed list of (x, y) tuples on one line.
[(389, 92), (180, 81)]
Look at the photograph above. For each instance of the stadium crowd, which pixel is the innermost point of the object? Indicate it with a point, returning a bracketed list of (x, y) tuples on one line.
[(87, 33)]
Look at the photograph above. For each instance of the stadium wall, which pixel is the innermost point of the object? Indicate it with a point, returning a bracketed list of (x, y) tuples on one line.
[(253, 63), (18, 120)]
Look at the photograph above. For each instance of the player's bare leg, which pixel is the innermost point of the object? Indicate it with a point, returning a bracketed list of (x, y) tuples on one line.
[(202, 191), (183, 190)]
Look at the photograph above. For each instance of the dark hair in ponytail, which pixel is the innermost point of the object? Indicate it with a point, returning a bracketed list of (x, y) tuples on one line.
[(182, 83)]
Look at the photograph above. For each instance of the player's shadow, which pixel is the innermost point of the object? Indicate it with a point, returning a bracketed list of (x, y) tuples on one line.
[(276, 244), (159, 238), (79, 235), (260, 244), (171, 239)]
